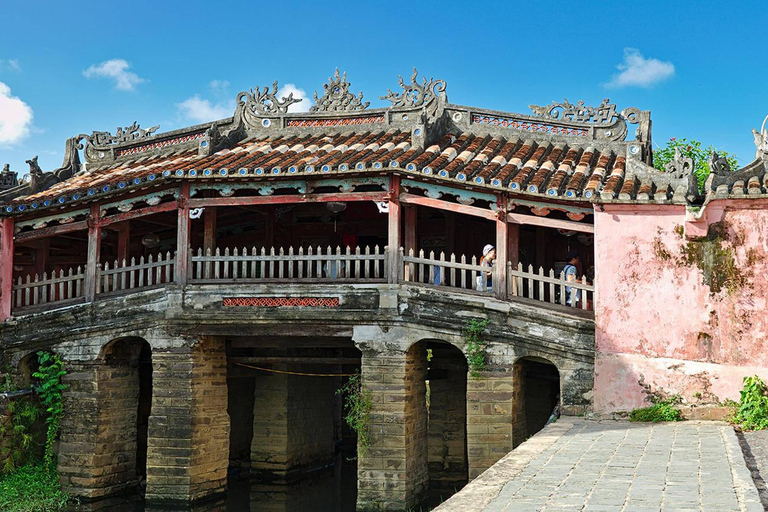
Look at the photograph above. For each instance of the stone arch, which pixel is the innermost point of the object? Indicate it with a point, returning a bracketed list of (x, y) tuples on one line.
[(25, 368), (445, 399), (537, 395)]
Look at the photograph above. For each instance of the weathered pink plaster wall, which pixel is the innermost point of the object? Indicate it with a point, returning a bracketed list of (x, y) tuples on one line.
[(658, 327)]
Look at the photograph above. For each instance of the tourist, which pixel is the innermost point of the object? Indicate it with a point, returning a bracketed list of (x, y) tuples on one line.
[(487, 261), (573, 295)]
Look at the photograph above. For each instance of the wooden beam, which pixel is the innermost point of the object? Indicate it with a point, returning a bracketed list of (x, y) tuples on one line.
[(209, 233), (287, 199), (53, 230), (93, 258), (6, 267), (502, 245), (532, 220), (393, 229), (141, 212), (182, 235), (445, 205)]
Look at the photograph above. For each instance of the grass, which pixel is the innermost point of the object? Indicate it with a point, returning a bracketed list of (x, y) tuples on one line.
[(32, 488), (663, 410)]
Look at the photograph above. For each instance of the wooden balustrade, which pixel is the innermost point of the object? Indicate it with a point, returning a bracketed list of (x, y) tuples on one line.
[(549, 287), (310, 266), (136, 275), (61, 288), (303, 266), (427, 269)]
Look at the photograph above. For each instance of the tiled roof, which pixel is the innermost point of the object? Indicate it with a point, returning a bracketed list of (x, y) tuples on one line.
[(563, 152)]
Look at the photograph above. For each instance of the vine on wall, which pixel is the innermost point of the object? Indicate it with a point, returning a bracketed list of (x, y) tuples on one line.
[(477, 355), (358, 402)]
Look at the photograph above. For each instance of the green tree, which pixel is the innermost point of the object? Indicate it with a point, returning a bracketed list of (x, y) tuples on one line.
[(694, 150)]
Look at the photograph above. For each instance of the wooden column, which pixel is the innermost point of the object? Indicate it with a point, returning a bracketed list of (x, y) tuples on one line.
[(541, 248), (209, 237), (182, 235), (513, 245), (123, 241), (393, 240), (410, 233), (41, 255), (94, 254), (6, 266), (502, 247)]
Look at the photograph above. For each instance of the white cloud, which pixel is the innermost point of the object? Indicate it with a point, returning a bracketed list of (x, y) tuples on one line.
[(287, 89), (218, 85), (15, 117), (202, 111), (117, 70), (636, 70)]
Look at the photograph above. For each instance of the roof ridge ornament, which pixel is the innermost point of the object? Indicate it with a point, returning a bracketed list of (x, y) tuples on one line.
[(604, 113), (337, 98), (761, 140), (428, 93), (264, 102), (680, 166), (719, 164), (130, 133)]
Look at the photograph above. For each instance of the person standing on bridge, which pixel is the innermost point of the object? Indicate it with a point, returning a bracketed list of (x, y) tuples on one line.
[(573, 295), (485, 279)]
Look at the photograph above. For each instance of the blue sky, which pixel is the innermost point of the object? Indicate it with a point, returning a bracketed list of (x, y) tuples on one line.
[(700, 68)]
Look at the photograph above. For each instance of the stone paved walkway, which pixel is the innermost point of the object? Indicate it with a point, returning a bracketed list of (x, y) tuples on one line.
[(617, 466)]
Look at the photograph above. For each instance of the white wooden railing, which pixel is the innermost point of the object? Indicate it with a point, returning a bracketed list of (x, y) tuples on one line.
[(312, 265), (305, 266), (135, 275), (40, 290), (427, 269), (549, 287)]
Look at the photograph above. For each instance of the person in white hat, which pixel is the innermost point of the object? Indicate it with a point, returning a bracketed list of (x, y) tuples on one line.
[(488, 259)]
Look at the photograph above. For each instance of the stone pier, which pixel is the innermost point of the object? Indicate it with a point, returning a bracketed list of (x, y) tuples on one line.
[(188, 450)]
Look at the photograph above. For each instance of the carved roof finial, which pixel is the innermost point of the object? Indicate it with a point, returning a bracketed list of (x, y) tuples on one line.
[(579, 113), (127, 134), (337, 98), (265, 102), (719, 165), (761, 140), (428, 93), (680, 166)]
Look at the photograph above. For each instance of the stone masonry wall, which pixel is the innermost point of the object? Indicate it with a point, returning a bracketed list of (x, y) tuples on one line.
[(387, 477), (188, 450), (490, 409)]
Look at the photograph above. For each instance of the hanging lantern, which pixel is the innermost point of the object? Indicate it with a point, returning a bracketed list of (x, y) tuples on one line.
[(566, 232), (150, 240), (336, 207)]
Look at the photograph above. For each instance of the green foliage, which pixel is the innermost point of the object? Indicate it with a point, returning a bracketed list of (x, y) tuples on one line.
[(358, 402), (662, 410), (51, 392), (17, 427), (477, 357), (694, 150), (753, 407), (33, 487)]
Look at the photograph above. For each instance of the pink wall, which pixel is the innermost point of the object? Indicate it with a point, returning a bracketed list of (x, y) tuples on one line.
[(657, 324)]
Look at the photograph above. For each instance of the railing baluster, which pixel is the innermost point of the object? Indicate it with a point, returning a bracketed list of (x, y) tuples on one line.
[(431, 268), (272, 262), (263, 263), (541, 284), (376, 269), (235, 254), (44, 289), (254, 254), (530, 282), (463, 273), (584, 293), (290, 262), (563, 298), (552, 285), (310, 262), (280, 255)]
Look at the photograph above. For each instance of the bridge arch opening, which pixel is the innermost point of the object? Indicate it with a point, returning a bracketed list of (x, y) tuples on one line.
[(289, 443), (537, 396), (440, 396), (125, 395)]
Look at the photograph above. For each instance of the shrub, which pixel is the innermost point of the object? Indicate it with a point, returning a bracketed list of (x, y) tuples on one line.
[(477, 357), (662, 410), (752, 413)]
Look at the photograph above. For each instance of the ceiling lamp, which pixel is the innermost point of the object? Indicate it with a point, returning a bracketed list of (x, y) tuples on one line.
[(150, 240), (336, 207)]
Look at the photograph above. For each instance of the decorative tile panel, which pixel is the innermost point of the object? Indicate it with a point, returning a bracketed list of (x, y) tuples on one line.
[(282, 302)]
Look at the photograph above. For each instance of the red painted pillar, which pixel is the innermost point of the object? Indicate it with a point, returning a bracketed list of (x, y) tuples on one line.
[(6, 267), (209, 235), (502, 247), (94, 254), (123, 241), (393, 239), (182, 235)]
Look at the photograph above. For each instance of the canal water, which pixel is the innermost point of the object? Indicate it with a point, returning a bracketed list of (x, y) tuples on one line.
[(329, 489)]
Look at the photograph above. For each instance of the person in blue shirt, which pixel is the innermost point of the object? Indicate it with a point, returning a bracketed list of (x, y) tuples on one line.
[(573, 295)]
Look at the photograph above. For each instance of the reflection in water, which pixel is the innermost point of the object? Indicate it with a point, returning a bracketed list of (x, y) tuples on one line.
[(331, 489)]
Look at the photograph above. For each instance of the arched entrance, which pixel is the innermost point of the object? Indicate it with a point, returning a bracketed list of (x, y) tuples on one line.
[(445, 409), (125, 393), (537, 396)]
